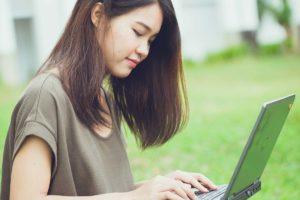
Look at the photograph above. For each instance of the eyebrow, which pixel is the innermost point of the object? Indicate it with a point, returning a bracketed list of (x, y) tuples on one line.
[(144, 25)]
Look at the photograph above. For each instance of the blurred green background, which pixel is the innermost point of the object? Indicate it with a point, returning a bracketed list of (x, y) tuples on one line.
[(251, 54), (225, 98)]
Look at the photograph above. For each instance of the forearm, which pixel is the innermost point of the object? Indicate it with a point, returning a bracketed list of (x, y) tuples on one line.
[(108, 196), (137, 185)]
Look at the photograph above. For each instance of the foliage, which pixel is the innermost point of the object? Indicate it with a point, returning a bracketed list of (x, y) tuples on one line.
[(228, 54), (282, 15), (261, 7), (190, 63), (243, 50), (270, 49)]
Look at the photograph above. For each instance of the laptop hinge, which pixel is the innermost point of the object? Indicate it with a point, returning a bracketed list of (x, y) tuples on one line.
[(247, 192)]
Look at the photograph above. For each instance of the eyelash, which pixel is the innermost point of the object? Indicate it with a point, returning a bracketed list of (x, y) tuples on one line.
[(150, 42), (137, 33)]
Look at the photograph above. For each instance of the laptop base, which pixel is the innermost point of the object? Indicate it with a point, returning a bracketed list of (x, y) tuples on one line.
[(219, 194), (247, 192)]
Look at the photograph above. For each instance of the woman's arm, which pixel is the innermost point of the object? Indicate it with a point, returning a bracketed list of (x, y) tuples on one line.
[(31, 175), (31, 170), (109, 196)]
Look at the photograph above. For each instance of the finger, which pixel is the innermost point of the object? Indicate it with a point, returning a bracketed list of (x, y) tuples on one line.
[(189, 191), (186, 185), (205, 181), (200, 187), (179, 189), (168, 184), (167, 195), (190, 179)]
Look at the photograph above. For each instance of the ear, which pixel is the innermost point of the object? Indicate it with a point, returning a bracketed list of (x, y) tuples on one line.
[(96, 14)]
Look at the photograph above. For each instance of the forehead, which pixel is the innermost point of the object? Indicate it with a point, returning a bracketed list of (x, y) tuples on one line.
[(150, 15)]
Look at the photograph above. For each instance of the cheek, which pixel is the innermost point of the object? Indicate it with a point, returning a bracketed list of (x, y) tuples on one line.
[(123, 42), (114, 49)]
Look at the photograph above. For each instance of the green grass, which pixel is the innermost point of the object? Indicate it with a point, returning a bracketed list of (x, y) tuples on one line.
[(8, 98), (225, 99)]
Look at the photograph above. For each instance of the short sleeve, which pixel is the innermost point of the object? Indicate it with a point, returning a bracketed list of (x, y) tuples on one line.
[(37, 116)]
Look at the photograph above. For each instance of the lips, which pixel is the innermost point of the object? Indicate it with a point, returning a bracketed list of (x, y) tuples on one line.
[(133, 62)]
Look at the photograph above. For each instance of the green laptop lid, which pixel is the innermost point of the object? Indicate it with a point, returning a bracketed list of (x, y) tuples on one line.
[(260, 145)]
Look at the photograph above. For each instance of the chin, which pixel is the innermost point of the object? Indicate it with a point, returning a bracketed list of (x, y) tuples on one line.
[(119, 70), (121, 74)]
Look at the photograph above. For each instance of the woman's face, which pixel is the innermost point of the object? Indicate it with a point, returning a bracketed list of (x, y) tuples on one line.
[(128, 39)]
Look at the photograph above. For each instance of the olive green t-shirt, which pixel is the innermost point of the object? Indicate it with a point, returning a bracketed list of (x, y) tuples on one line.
[(84, 163)]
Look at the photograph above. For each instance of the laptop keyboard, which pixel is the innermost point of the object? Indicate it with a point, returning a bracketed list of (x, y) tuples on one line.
[(213, 194)]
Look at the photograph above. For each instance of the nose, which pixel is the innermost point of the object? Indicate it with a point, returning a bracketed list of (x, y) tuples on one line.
[(143, 50)]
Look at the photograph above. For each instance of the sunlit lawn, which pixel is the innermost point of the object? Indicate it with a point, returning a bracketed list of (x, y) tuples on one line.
[(225, 99)]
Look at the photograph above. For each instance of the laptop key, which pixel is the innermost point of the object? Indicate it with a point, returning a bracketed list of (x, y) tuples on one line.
[(211, 195)]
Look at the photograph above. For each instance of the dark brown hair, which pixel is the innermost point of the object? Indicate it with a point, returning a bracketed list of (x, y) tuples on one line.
[(152, 99)]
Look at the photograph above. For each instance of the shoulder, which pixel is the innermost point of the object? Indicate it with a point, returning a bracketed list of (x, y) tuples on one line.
[(45, 89), (39, 107), (42, 95), (44, 84)]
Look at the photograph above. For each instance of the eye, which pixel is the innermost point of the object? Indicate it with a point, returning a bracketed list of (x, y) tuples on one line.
[(137, 33), (151, 41)]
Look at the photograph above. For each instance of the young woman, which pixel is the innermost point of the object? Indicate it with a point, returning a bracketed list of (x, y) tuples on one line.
[(117, 59)]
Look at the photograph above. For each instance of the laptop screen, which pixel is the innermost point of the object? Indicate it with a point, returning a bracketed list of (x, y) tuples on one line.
[(260, 144)]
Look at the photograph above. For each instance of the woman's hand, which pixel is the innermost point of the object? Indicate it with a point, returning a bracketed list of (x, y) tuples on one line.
[(163, 188), (196, 180)]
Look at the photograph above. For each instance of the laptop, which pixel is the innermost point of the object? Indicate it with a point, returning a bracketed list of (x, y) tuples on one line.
[(245, 181)]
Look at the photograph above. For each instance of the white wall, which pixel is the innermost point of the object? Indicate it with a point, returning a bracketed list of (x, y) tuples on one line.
[(7, 44), (238, 15), (7, 40), (22, 8), (29, 30), (50, 17), (211, 25), (270, 32), (200, 27), (295, 5)]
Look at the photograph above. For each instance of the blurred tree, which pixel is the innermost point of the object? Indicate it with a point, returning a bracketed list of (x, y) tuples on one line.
[(261, 6), (283, 16)]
